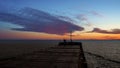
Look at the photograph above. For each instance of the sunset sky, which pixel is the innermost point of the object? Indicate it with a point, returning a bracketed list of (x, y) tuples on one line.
[(55, 19)]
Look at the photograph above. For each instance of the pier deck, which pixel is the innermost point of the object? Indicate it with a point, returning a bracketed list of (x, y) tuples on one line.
[(64, 56)]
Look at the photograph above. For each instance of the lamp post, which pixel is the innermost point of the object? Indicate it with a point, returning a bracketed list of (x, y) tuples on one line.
[(71, 36)]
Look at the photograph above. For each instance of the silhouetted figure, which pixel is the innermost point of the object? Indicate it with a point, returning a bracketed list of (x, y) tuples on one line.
[(64, 40)]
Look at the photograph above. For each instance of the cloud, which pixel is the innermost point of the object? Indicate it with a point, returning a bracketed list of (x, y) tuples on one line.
[(84, 18), (65, 18), (112, 31), (38, 21), (96, 14)]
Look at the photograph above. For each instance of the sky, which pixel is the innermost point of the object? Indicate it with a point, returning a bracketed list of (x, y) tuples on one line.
[(56, 19)]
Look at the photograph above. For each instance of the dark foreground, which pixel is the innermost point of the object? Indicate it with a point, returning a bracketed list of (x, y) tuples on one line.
[(99, 54), (68, 55)]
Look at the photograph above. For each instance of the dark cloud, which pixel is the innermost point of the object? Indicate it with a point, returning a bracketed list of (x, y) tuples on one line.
[(66, 19), (39, 21), (113, 31)]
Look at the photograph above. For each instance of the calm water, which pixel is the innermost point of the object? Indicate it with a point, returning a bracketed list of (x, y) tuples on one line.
[(99, 54), (102, 54)]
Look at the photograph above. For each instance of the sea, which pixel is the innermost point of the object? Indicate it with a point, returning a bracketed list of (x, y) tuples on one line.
[(98, 53)]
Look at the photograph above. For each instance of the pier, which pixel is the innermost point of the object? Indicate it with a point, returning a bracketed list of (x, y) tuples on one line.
[(64, 55)]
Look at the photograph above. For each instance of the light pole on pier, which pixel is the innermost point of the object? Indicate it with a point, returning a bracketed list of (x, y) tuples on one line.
[(71, 36)]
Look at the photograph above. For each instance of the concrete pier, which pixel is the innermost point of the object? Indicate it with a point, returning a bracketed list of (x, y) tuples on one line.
[(65, 55)]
